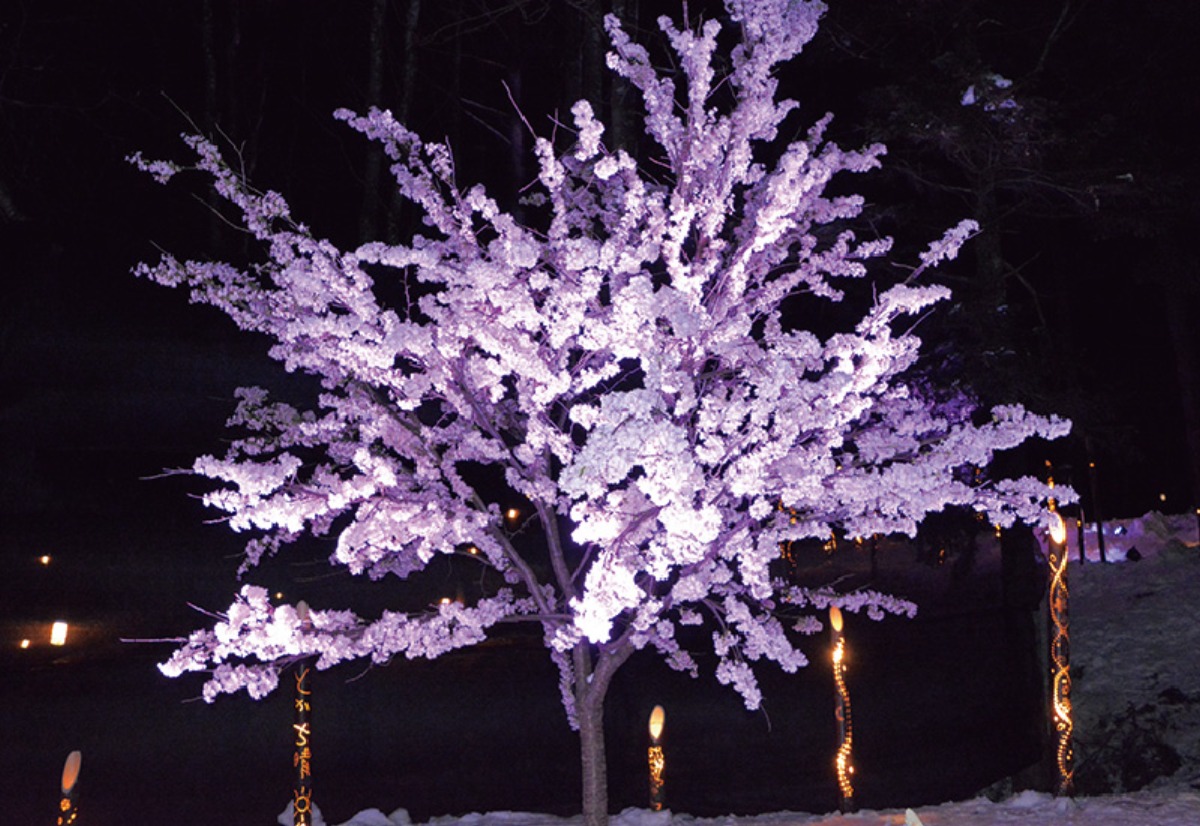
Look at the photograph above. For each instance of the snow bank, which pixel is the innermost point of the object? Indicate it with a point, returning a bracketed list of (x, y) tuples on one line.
[(1160, 807)]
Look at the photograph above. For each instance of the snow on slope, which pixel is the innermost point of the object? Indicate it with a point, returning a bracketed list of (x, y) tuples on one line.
[(1135, 637)]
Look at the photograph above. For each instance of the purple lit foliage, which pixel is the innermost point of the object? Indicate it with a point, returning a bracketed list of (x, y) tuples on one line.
[(625, 363)]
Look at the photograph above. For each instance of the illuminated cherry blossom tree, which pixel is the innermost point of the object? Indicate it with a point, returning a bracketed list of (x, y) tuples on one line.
[(635, 363)]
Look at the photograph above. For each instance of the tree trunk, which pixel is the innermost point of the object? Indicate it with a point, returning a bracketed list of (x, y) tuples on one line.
[(989, 292), (619, 128), (211, 119), (408, 85), (589, 709), (591, 57), (594, 760), (1183, 341), (8, 206), (592, 678), (368, 215)]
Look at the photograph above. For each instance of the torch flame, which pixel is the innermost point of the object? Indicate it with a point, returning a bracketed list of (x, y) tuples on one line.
[(835, 618), (657, 717), (70, 775), (1058, 528)]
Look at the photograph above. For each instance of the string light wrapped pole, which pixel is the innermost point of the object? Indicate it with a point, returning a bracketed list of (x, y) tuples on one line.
[(1060, 656), (845, 768), (302, 806), (656, 759), (68, 805)]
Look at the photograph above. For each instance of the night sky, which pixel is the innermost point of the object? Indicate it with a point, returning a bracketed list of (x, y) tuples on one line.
[(105, 380)]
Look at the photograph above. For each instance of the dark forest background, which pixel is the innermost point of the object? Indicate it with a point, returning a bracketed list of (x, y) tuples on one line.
[(1078, 297)]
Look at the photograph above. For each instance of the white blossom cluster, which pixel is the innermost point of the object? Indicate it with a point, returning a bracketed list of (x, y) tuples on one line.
[(628, 363)]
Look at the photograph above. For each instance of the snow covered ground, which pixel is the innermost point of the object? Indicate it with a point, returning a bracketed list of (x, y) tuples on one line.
[(1135, 625), (1160, 807)]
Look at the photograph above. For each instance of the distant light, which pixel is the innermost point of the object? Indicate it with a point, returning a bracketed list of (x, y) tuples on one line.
[(44, 559), (58, 633), (1162, 497), (279, 595), (472, 550), (24, 643), (512, 514), (445, 601)]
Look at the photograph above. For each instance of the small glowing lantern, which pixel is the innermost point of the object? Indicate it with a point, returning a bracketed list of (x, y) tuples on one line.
[(1060, 654), (44, 559), (68, 806), (657, 761), (58, 633), (302, 810), (25, 643), (842, 712)]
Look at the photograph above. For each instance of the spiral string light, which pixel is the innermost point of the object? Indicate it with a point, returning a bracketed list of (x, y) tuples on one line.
[(845, 728), (1060, 654)]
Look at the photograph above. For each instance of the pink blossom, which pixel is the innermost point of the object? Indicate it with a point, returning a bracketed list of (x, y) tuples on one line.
[(624, 364)]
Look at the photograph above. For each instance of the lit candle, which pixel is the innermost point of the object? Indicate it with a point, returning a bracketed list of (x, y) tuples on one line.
[(68, 806), (1060, 654), (842, 711), (657, 762)]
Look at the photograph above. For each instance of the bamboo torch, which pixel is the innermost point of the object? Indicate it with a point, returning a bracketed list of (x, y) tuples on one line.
[(68, 806), (842, 711), (302, 726), (657, 761)]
